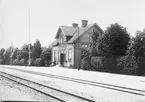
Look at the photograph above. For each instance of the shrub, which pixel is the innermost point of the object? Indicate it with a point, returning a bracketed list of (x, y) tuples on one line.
[(104, 64), (128, 65), (39, 62), (110, 64), (141, 66), (16, 62), (1, 61), (85, 63), (22, 62), (96, 64)]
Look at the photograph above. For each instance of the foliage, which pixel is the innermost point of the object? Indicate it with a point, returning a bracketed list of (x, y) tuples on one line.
[(36, 50), (85, 52), (2, 53), (96, 64), (141, 65), (105, 64), (39, 62), (85, 63), (1, 61), (8, 54), (114, 42), (25, 47), (94, 43), (46, 55), (22, 62), (25, 55), (128, 65), (137, 47), (16, 62), (31, 61)]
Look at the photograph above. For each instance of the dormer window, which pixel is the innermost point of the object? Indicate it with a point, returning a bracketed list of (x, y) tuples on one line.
[(61, 39), (65, 39)]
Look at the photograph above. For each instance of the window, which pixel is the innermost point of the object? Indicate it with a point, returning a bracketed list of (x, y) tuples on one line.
[(84, 45), (69, 54), (65, 39), (90, 37), (55, 55), (61, 39), (59, 55)]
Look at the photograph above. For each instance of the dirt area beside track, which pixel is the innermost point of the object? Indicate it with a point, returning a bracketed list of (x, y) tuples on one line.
[(12, 91)]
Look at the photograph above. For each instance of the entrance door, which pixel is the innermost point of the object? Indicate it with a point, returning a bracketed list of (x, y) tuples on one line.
[(62, 58)]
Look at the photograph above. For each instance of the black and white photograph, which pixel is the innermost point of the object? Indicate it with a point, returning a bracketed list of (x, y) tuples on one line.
[(72, 50)]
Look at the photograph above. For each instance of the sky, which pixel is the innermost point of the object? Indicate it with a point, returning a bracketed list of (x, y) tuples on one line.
[(47, 15)]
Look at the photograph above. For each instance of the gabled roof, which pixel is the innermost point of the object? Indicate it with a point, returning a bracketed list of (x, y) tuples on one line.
[(81, 30), (67, 30), (55, 42), (75, 32)]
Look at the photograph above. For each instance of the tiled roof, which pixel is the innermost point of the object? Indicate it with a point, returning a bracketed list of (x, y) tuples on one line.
[(55, 42), (75, 32), (79, 32), (68, 30)]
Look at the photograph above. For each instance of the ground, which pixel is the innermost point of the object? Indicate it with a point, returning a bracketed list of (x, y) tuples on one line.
[(11, 91)]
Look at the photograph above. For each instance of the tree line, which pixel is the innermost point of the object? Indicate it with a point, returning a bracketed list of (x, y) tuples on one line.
[(39, 56), (115, 51)]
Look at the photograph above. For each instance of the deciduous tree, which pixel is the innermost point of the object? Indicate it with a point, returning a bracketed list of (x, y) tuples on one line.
[(114, 42)]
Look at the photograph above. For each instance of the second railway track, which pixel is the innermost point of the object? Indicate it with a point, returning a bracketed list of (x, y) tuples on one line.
[(97, 84), (59, 95)]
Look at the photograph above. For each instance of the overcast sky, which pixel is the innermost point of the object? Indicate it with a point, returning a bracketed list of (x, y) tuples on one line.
[(47, 15)]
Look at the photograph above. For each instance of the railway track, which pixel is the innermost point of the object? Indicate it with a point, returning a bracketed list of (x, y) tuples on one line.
[(98, 84), (57, 94)]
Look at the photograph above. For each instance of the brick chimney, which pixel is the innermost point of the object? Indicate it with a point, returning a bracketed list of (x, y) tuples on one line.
[(74, 24), (84, 23)]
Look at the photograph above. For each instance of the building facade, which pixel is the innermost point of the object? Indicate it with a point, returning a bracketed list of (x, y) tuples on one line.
[(70, 40)]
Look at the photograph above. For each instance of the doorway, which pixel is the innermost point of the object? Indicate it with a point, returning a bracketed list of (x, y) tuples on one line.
[(62, 58)]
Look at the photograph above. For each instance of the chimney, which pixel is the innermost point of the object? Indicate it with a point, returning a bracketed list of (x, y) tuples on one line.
[(74, 24), (84, 23)]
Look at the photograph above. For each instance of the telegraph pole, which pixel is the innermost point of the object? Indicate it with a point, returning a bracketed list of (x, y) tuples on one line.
[(29, 41), (11, 54)]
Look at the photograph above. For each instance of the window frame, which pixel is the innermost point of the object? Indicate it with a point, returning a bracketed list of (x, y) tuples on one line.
[(84, 45), (70, 54)]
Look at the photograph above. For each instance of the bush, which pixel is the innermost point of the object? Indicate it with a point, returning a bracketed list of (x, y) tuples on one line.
[(22, 62), (1, 61), (16, 62), (110, 64), (96, 64), (104, 64), (85, 63), (141, 66), (39, 62), (128, 65)]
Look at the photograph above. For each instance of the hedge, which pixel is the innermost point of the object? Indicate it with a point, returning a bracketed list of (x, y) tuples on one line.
[(128, 65)]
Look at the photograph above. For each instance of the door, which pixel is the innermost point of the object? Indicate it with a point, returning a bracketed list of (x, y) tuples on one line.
[(62, 58)]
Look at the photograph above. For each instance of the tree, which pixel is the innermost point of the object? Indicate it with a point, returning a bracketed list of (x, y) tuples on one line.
[(137, 45), (15, 53), (8, 54), (114, 42), (94, 43), (25, 47), (46, 55), (137, 49), (2, 53), (36, 50)]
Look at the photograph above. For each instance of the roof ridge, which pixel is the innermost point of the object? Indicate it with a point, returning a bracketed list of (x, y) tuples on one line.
[(78, 26), (65, 26)]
